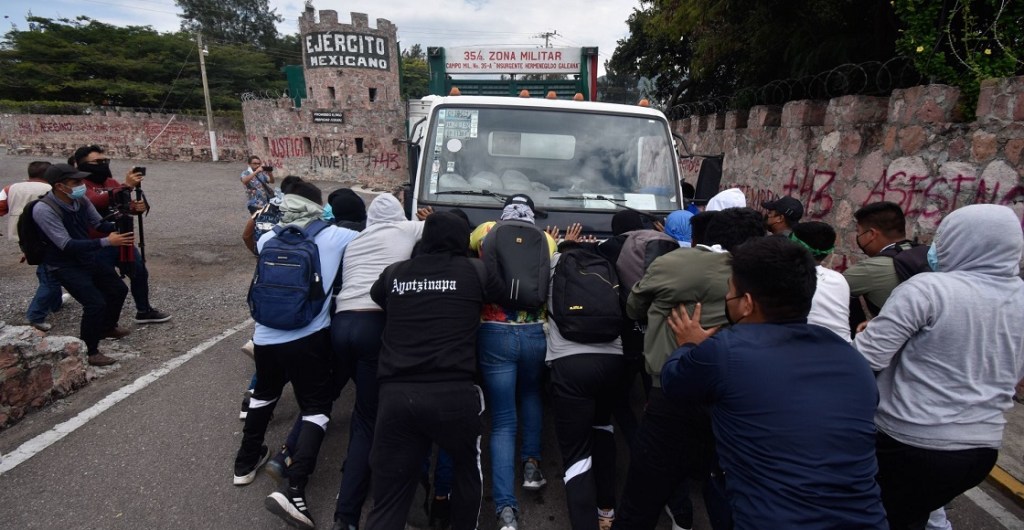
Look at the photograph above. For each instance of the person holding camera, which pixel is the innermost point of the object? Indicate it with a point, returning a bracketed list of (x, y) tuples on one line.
[(71, 256), (113, 201), (257, 179)]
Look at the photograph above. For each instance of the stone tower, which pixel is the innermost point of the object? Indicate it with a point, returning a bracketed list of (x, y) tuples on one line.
[(350, 125)]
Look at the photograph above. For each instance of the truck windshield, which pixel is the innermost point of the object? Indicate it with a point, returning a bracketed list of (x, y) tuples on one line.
[(562, 159)]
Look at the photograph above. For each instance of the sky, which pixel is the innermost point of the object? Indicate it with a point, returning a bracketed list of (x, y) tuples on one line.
[(426, 22)]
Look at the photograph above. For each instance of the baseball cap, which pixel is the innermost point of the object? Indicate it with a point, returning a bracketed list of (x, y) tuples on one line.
[(61, 172), (520, 198), (789, 207)]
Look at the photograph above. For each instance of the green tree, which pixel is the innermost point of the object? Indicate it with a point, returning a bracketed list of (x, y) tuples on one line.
[(415, 76), (239, 21), (703, 49), (963, 42), (87, 61)]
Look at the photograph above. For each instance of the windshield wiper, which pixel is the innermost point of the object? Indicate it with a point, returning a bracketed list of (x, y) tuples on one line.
[(616, 202), (488, 193), (591, 198), (479, 193)]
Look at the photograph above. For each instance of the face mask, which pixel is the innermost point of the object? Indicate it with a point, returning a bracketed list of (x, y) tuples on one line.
[(728, 316), (77, 192), (933, 259), (98, 173), (860, 246), (328, 213)]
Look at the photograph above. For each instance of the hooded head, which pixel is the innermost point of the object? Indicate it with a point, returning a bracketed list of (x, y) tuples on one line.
[(384, 208), (678, 226), (347, 205), (444, 233), (518, 207), (302, 205), (981, 238), (626, 221), (730, 198)]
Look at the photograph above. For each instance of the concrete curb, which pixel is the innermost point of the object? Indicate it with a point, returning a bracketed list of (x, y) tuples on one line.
[(1006, 482)]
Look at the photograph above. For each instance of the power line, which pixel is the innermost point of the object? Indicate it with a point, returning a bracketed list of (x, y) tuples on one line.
[(183, 65)]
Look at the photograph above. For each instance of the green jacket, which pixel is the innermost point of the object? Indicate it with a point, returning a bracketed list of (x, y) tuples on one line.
[(874, 278), (687, 275)]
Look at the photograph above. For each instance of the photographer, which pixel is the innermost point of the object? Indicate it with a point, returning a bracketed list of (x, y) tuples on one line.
[(257, 179), (113, 201)]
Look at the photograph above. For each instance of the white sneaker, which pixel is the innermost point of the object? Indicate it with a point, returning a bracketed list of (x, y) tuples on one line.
[(65, 298), (248, 348), (673, 519)]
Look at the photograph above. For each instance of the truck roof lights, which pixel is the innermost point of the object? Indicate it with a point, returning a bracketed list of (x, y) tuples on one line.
[(524, 93), (455, 91)]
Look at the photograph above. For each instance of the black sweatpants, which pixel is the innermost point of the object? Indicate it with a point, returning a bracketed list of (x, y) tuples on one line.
[(101, 292), (307, 363), (674, 441), (583, 397), (916, 481), (411, 417)]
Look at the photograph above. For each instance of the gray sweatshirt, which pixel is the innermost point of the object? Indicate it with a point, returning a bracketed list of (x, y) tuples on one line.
[(950, 345), (389, 237)]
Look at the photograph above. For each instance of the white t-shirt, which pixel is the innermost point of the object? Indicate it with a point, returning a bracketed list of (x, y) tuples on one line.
[(830, 307)]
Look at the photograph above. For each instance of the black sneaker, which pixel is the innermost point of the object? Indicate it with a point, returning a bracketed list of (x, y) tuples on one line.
[(247, 475), (441, 513), (278, 466), (290, 505), (152, 316)]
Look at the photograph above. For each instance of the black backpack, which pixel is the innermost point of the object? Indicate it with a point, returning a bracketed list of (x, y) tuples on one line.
[(518, 251), (585, 297), (908, 259), (31, 239)]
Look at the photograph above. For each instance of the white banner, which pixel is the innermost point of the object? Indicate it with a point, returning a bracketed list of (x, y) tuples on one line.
[(492, 60)]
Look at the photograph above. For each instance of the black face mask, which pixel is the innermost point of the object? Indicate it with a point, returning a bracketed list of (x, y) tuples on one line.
[(98, 173), (728, 317)]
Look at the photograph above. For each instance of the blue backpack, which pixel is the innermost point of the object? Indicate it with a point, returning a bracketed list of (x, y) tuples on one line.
[(287, 290)]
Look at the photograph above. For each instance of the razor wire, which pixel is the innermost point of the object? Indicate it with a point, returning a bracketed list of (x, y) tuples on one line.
[(872, 78)]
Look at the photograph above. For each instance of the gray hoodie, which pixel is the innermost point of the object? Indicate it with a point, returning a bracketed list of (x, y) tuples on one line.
[(950, 345), (388, 237)]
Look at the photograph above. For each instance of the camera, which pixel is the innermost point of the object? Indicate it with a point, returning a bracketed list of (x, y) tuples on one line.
[(268, 168), (139, 169)]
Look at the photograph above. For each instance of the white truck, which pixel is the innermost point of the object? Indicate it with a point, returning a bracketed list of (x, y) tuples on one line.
[(579, 161)]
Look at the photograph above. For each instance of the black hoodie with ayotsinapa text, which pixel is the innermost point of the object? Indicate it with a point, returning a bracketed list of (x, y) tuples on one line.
[(433, 303)]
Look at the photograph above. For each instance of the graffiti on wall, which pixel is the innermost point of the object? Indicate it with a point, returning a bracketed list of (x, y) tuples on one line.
[(334, 154), (919, 195)]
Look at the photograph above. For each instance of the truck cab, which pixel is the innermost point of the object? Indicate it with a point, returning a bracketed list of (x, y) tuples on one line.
[(579, 161)]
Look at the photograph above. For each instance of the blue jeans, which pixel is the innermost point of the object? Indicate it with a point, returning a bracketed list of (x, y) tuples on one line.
[(512, 364), (47, 298)]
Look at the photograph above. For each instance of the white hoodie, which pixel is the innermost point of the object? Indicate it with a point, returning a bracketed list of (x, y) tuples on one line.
[(730, 198), (950, 344), (389, 237)]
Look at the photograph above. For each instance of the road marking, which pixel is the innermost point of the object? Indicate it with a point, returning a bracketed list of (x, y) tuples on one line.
[(39, 443), (996, 510)]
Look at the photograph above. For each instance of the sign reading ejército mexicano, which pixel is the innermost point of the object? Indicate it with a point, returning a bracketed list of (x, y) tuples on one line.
[(341, 49)]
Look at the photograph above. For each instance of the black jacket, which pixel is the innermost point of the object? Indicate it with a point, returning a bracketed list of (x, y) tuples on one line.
[(433, 303)]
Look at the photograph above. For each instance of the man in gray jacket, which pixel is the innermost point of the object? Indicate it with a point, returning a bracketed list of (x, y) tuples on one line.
[(949, 348)]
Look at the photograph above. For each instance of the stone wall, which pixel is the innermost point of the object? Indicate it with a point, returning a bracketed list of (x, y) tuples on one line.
[(912, 148), (125, 135), (36, 369), (351, 125)]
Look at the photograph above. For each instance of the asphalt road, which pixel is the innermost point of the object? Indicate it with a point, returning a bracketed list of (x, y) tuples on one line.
[(162, 456)]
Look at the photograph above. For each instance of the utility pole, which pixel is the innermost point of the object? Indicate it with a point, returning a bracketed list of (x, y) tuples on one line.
[(206, 94), (547, 35)]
